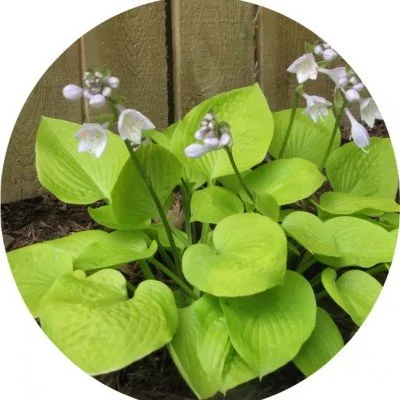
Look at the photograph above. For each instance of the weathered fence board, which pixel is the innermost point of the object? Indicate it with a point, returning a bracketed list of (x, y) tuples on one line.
[(280, 41), (133, 45), (19, 180), (213, 49)]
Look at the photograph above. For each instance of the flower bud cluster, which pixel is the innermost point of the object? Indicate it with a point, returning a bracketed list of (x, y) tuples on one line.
[(212, 134), (325, 51), (97, 86)]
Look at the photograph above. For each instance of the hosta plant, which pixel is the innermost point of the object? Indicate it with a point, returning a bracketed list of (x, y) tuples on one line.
[(240, 220)]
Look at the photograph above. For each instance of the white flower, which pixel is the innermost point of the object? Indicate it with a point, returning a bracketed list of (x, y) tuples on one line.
[(317, 107), (195, 150), (92, 139), (131, 123), (329, 55), (326, 46), (97, 101), (318, 50), (358, 132), (305, 68), (211, 143), (369, 111), (72, 92), (113, 82), (353, 80), (338, 75), (358, 86), (106, 92), (225, 140), (352, 95), (200, 134)]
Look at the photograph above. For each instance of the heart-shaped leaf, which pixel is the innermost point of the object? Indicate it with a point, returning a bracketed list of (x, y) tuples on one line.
[(131, 200), (269, 328), (355, 291), (214, 204), (78, 178), (91, 321), (116, 248), (308, 230), (246, 111), (345, 203), (37, 267), (324, 343), (202, 350), (373, 174), (286, 180), (360, 243), (307, 139), (267, 205), (248, 256)]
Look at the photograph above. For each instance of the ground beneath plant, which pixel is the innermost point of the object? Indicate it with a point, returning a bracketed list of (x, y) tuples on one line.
[(155, 377)]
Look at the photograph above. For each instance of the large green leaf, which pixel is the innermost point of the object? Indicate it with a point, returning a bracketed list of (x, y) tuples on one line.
[(131, 200), (324, 343), (248, 256), (203, 352), (307, 139), (37, 267), (346, 203), (308, 230), (374, 174), (286, 180), (91, 321), (360, 243), (355, 291), (78, 178), (214, 204), (247, 112), (269, 328), (116, 248)]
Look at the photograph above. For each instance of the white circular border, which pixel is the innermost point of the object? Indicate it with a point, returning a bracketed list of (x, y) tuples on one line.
[(35, 33)]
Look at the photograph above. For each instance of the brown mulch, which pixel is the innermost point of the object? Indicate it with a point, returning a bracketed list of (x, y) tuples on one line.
[(155, 377)]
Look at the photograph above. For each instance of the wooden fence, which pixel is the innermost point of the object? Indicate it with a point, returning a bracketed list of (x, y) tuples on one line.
[(169, 55)]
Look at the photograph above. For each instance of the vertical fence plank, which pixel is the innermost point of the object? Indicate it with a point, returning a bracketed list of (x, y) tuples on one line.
[(213, 48), (133, 45), (19, 180), (280, 41)]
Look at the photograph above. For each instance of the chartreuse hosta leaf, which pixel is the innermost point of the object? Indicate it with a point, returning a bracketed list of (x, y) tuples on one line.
[(324, 343), (308, 230), (116, 248), (248, 256), (360, 243), (203, 352), (73, 177), (355, 291), (131, 201), (374, 174), (269, 328), (214, 204), (286, 180), (346, 203), (247, 112), (391, 219), (267, 205), (37, 267), (307, 139), (91, 320)]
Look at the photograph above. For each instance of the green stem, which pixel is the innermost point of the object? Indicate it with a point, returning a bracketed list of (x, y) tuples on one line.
[(186, 210), (165, 256), (316, 280), (204, 233), (320, 295), (291, 120), (146, 269), (157, 202), (335, 128), (175, 278), (131, 287), (306, 262), (238, 174)]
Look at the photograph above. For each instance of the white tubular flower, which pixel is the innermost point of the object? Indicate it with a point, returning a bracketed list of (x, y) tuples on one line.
[(338, 75), (195, 150), (225, 140), (304, 67), (317, 107), (113, 82), (97, 101), (92, 139), (200, 134), (106, 92), (369, 111), (131, 123), (358, 132), (72, 92), (326, 46), (318, 50), (352, 95), (211, 143), (329, 55), (358, 86)]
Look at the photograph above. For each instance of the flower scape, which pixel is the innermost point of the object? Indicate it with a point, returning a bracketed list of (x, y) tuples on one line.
[(276, 216)]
